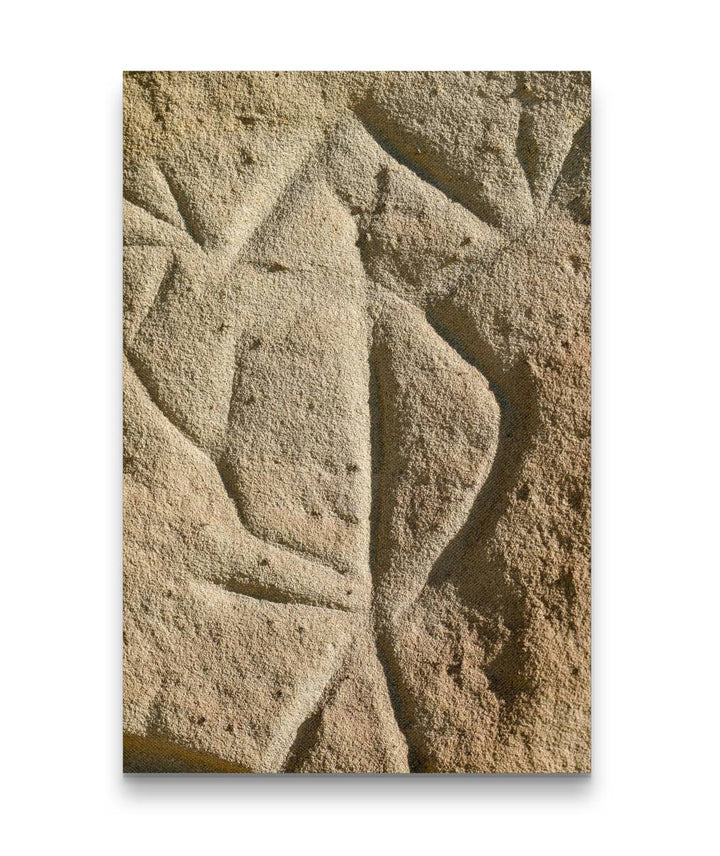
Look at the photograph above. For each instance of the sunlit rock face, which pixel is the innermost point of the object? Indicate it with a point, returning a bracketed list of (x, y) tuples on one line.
[(356, 502)]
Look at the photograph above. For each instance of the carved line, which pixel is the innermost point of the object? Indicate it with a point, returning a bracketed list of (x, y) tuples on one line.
[(450, 189), (164, 288), (162, 753), (181, 202), (159, 219), (308, 729), (255, 589), (376, 458), (283, 191), (523, 144), (136, 202), (580, 141), (278, 753)]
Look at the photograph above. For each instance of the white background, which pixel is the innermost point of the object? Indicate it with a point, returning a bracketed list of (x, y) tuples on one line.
[(656, 480)]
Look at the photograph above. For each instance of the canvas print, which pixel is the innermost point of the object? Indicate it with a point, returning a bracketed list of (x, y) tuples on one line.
[(356, 422)]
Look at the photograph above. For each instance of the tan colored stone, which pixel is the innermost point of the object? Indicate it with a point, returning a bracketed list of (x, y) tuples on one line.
[(357, 422)]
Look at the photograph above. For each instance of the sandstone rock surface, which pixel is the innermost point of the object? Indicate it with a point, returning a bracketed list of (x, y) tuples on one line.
[(356, 503)]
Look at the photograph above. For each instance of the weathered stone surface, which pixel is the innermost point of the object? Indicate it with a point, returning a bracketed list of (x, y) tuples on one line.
[(357, 422)]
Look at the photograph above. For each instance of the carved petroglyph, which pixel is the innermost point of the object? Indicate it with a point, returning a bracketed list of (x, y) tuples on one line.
[(295, 334)]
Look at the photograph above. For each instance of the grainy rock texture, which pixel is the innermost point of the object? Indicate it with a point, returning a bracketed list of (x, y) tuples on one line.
[(356, 410)]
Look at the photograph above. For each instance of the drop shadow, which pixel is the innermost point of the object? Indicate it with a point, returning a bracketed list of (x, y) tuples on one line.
[(414, 789)]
